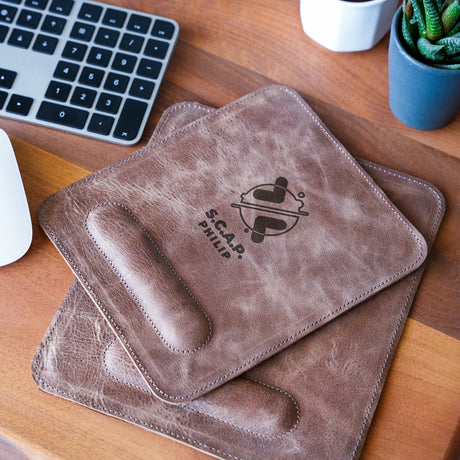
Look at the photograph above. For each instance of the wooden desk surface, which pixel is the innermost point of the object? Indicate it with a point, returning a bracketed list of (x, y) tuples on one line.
[(227, 49)]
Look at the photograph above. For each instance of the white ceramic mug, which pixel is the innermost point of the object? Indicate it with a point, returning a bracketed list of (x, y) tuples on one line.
[(341, 25)]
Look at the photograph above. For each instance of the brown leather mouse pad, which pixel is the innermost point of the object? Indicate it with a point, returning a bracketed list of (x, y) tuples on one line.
[(225, 242), (315, 399)]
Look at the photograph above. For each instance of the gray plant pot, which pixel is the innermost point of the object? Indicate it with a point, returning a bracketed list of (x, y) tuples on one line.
[(421, 96)]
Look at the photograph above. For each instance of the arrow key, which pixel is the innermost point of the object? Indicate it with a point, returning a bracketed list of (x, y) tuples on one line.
[(19, 104)]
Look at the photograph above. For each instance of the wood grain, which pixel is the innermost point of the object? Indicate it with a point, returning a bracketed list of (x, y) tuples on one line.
[(227, 49)]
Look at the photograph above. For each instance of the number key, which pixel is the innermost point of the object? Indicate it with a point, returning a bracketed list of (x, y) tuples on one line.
[(124, 62), (75, 51), (116, 82), (108, 103), (66, 71), (99, 56), (91, 76), (83, 97), (58, 91)]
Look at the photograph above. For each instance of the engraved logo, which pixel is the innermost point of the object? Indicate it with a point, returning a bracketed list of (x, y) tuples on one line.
[(270, 210)]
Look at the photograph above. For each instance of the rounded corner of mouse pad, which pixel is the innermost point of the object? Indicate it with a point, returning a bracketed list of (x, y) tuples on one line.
[(229, 239)]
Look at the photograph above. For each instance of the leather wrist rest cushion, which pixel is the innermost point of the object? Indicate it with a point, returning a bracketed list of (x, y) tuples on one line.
[(315, 399), (230, 239)]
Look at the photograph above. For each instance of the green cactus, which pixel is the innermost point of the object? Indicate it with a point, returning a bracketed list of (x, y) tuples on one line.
[(431, 31)]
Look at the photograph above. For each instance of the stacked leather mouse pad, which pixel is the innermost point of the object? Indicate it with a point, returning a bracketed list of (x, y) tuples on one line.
[(242, 282)]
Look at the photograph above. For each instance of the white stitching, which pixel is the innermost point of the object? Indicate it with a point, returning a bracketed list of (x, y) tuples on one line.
[(400, 322), (197, 443), (293, 336)]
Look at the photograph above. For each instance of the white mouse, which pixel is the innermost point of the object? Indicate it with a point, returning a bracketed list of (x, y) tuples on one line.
[(15, 221)]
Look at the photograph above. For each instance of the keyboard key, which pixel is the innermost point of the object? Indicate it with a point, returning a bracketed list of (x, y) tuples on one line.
[(130, 119), (156, 49), (62, 115), (7, 78), (107, 37), (3, 96), (91, 76), (82, 31), (19, 105), (163, 29), (20, 38), (101, 124), (53, 24), (108, 62), (66, 71), (63, 7), (116, 82), (45, 44), (142, 88), (124, 62), (148, 68), (41, 4), (83, 97), (138, 23), (99, 56), (130, 42), (3, 32), (28, 18), (114, 18), (58, 91), (90, 12), (108, 103), (75, 51), (7, 13)]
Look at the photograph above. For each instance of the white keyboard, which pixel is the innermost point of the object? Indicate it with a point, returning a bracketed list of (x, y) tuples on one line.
[(82, 66)]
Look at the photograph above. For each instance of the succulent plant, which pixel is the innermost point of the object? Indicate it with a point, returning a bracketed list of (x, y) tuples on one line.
[(431, 31)]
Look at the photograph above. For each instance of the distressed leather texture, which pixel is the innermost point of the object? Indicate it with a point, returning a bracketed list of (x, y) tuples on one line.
[(228, 240), (315, 399)]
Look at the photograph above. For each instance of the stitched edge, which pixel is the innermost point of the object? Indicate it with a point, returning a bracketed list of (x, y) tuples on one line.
[(293, 336), (191, 409), (211, 449), (168, 264), (401, 320)]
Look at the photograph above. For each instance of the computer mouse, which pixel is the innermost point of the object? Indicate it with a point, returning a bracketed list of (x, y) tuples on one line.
[(15, 221)]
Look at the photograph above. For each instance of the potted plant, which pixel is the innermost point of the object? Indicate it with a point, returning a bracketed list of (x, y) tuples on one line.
[(424, 63), (347, 25)]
